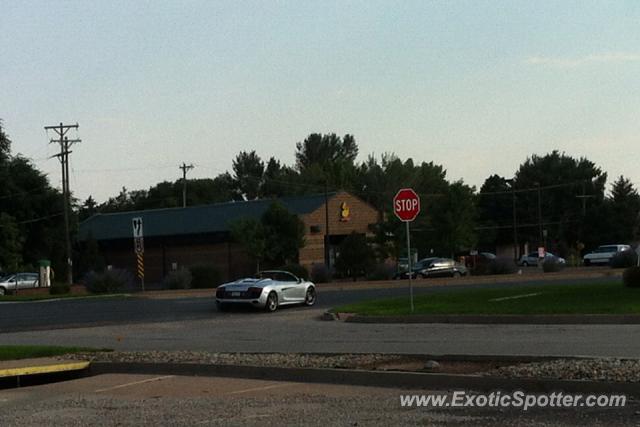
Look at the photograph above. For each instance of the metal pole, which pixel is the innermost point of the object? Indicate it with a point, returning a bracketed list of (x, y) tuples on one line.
[(540, 214), (516, 247), (409, 265), (327, 253)]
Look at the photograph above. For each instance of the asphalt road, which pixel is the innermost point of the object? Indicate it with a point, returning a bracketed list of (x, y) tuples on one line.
[(69, 313), (194, 324)]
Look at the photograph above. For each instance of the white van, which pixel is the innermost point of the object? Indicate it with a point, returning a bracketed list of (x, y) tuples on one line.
[(603, 254)]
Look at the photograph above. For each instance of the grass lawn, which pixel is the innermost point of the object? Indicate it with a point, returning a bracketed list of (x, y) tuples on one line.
[(15, 352), (602, 298)]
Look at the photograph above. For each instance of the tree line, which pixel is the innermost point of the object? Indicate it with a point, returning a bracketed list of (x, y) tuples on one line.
[(554, 198)]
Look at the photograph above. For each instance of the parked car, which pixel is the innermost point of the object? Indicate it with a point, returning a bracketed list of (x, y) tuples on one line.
[(268, 290), (10, 282), (436, 267), (603, 254), (532, 259)]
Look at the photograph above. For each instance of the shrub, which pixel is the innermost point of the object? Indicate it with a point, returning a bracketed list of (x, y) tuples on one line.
[(296, 269), (320, 273), (381, 271), (179, 279), (109, 281), (552, 265), (624, 259), (502, 266), (631, 277), (59, 289), (205, 276)]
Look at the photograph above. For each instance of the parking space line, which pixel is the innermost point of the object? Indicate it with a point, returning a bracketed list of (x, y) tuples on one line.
[(134, 383), (268, 387)]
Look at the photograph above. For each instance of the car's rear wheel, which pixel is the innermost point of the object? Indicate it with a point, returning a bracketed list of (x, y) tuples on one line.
[(272, 302), (221, 306), (456, 274), (310, 297), (525, 264), (587, 263)]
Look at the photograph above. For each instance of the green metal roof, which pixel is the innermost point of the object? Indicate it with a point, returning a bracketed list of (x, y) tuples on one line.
[(191, 220)]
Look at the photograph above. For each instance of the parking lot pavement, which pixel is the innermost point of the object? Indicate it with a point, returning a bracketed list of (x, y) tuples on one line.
[(172, 400)]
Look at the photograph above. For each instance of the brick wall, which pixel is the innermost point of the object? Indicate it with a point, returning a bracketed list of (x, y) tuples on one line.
[(361, 216)]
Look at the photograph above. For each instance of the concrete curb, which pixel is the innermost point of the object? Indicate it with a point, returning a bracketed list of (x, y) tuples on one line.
[(387, 379), (508, 319), (16, 375)]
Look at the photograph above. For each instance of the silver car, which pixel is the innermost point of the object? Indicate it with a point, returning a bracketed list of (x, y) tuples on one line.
[(19, 280), (268, 290), (532, 259)]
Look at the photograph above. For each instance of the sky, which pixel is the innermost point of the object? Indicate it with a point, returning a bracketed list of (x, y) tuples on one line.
[(476, 86)]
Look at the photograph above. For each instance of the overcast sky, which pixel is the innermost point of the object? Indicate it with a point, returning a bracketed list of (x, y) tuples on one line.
[(476, 86)]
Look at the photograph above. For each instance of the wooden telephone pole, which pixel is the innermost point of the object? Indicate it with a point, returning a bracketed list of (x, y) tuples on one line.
[(185, 168), (63, 156)]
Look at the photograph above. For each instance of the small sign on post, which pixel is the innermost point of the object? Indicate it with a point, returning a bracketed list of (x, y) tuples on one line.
[(138, 247), (406, 206)]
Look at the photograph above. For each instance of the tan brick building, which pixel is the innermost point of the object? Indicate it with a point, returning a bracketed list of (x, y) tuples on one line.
[(181, 237)]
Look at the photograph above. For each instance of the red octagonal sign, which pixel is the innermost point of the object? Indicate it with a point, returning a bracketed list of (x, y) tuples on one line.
[(406, 204)]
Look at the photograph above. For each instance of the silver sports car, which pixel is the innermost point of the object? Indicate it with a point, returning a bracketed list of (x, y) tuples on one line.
[(268, 290)]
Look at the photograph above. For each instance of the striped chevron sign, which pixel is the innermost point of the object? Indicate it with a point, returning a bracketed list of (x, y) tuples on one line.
[(140, 265)]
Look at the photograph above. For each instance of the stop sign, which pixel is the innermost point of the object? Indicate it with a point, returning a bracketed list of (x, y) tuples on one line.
[(406, 204)]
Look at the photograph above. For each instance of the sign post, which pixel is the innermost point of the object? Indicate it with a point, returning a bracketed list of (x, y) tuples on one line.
[(138, 245), (406, 206)]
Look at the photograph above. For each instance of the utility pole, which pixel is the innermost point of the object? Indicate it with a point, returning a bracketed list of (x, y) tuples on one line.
[(327, 256), (540, 215), (584, 198), (516, 247), (185, 168), (63, 156)]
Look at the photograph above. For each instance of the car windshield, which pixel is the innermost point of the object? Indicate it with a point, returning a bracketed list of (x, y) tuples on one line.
[(276, 275)]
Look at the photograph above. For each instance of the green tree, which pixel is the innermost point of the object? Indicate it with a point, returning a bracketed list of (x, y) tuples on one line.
[(251, 235), (355, 257), (326, 160), (624, 208), (561, 179), (284, 235), (495, 212), (5, 145), (247, 174), (11, 244)]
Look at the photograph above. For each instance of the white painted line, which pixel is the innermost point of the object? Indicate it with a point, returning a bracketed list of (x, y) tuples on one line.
[(515, 297), (134, 383), (268, 387)]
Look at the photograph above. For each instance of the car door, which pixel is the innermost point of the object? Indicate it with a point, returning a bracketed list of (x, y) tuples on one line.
[(290, 287)]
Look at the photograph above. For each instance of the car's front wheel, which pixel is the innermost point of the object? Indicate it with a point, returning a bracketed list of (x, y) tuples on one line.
[(525, 264), (456, 274), (3, 291), (221, 306), (310, 297), (272, 302)]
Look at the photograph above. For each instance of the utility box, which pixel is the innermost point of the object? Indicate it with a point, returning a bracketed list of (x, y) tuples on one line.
[(44, 273)]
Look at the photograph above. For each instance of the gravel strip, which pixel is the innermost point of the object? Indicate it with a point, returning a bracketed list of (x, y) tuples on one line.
[(612, 370), (293, 360)]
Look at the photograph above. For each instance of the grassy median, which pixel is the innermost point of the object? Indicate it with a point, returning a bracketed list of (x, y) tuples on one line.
[(602, 298), (15, 352)]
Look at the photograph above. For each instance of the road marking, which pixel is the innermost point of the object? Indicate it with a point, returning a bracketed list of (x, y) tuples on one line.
[(44, 369), (134, 383), (515, 297), (268, 387)]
